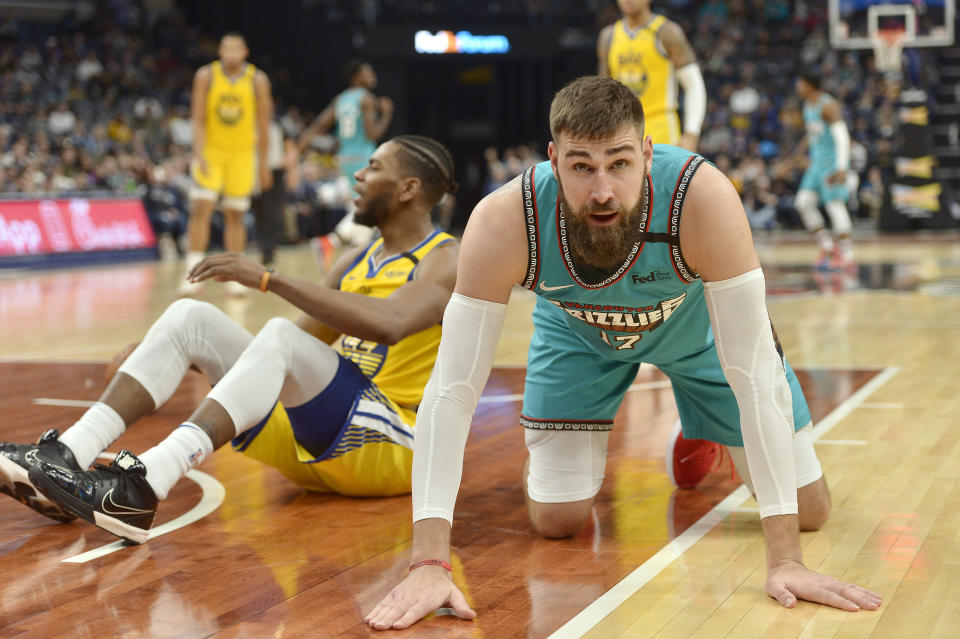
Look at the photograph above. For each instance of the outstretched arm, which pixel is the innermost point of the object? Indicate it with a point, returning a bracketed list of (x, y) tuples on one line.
[(486, 273), (717, 243), (413, 307)]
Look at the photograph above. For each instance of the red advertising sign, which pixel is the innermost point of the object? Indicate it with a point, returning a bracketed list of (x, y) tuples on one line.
[(36, 227)]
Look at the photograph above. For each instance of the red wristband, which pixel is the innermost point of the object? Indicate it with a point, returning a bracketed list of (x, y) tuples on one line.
[(431, 562)]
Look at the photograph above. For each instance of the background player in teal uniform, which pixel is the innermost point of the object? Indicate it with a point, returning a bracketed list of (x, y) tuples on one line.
[(361, 118), (828, 142), (637, 255)]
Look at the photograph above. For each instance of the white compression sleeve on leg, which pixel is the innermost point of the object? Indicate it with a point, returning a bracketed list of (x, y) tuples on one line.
[(471, 329), (755, 372), (694, 97), (806, 205), (841, 143), (188, 332), (839, 217)]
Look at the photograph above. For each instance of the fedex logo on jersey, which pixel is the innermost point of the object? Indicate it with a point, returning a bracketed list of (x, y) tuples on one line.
[(622, 319), (460, 42)]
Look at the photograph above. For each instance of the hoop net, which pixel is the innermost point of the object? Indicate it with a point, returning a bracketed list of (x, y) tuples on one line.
[(888, 49)]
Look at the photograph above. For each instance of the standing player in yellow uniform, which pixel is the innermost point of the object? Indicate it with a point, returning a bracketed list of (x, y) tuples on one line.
[(332, 419), (650, 54), (230, 108)]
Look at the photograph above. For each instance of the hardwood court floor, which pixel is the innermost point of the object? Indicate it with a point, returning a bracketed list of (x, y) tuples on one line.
[(876, 356)]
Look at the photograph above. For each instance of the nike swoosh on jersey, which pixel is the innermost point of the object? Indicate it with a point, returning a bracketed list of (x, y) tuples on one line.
[(544, 287)]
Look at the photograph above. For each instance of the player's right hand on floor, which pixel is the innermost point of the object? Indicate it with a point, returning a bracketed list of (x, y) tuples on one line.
[(422, 592)]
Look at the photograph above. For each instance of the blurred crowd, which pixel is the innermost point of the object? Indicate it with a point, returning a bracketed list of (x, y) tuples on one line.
[(750, 52), (104, 105)]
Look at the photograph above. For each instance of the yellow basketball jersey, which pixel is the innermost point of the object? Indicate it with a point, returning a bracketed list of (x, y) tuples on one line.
[(231, 109), (636, 59), (400, 371)]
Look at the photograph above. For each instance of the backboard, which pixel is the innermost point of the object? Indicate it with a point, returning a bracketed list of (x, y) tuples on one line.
[(927, 23)]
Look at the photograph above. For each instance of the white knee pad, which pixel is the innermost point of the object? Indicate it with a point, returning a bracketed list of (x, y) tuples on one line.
[(565, 465), (188, 333), (806, 205), (282, 362), (839, 217)]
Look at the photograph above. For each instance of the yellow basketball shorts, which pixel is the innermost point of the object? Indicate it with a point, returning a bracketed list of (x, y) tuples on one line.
[(371, 456), (230, 173), (664, 127)]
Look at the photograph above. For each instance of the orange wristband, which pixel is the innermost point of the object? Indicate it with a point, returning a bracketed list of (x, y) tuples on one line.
[(264, 279), (430, 562)]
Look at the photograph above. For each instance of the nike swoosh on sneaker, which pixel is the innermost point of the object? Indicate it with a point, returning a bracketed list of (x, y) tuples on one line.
[(544, 287), (128, 510)]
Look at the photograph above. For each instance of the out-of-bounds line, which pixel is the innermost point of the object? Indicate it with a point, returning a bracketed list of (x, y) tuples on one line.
[(609, 601), (211, 498), (71, 403), (493, 399), (854, 401)]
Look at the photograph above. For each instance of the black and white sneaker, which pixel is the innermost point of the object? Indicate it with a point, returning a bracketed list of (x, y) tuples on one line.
[(116, 498), (16, 461)]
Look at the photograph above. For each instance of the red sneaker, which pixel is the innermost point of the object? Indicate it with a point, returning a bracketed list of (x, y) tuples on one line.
[(690, 460)]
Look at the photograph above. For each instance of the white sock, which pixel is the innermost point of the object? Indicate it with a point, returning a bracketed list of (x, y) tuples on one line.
[(170, 460), (99, 427), (845, 246), (826, 242)]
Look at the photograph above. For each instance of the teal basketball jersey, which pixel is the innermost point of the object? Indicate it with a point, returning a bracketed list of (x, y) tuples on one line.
[(590, 337), (355, 146), (823, 152), (651, 306)]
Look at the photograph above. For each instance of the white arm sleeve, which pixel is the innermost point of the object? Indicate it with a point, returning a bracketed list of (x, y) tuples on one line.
[(471, 329), (755, 372), (841, 142), (694, 97)]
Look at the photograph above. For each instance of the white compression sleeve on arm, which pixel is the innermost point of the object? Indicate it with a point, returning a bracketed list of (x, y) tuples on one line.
[(755, 372), (841, 142), (694, 97), (471, 329)]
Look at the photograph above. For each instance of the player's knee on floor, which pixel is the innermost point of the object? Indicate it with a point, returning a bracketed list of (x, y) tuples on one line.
[(814, 504), (555, 521)]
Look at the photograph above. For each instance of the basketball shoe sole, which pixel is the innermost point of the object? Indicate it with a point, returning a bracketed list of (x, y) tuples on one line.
[(15, 463)]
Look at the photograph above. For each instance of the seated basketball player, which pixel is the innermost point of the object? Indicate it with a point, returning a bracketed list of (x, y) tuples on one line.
[(638, 253), (333, 419)]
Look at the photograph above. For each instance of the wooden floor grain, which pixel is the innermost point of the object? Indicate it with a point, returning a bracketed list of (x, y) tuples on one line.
[(273, 561)]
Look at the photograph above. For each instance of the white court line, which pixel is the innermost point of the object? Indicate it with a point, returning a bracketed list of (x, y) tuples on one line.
[(842, 442), (609, 601), (72, 403), (491, 399), (211, 498)]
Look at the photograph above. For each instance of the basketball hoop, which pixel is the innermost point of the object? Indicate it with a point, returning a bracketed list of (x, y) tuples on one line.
[(888, 49)]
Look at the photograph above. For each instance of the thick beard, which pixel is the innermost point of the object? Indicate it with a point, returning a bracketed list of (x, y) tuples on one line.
[(602, 246)]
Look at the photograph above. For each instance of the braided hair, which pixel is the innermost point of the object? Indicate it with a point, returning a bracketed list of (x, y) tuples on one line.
[(429, 160)]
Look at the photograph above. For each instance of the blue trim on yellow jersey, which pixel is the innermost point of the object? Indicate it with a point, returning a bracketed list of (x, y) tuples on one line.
[(357, 260), (373, 270), (414, 269)]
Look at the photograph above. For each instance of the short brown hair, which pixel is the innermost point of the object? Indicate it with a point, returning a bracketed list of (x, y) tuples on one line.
[(594, 107)]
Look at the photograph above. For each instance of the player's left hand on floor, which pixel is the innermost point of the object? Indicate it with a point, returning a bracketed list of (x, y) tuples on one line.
[(422, 592), (226, 267), (790, 581)]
